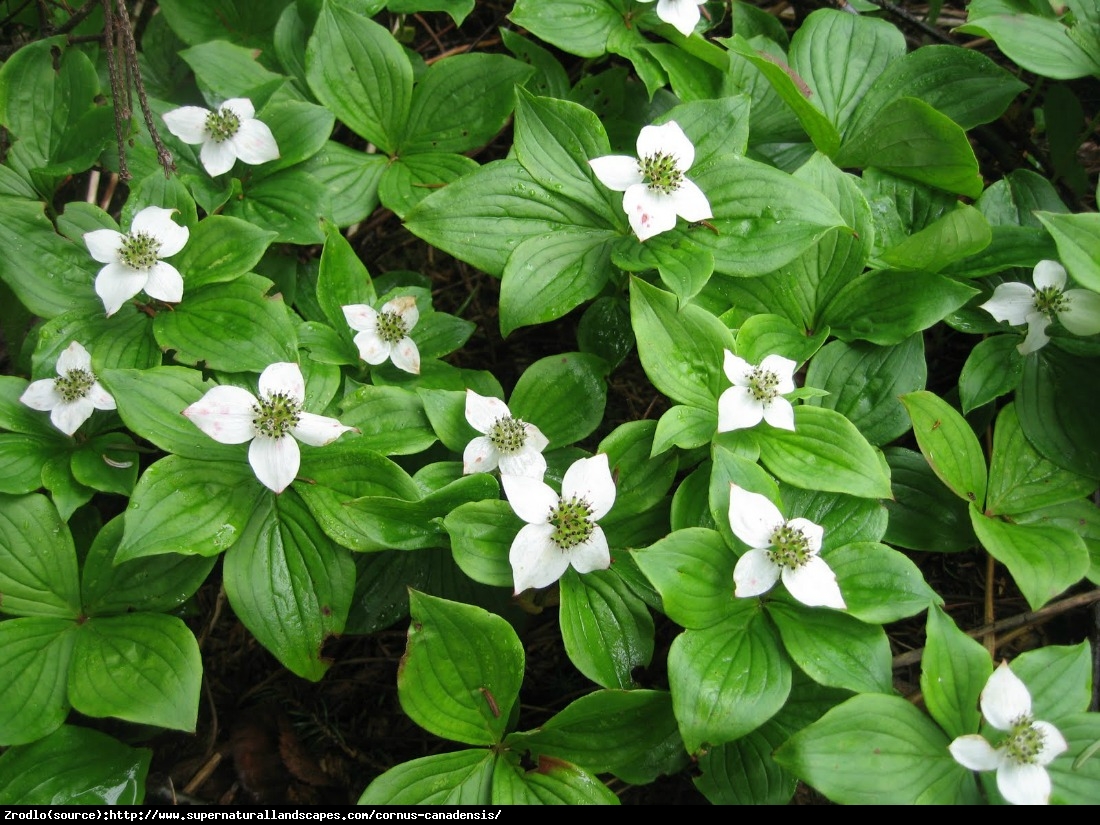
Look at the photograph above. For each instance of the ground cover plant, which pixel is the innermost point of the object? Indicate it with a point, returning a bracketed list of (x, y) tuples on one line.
[(581, 402)]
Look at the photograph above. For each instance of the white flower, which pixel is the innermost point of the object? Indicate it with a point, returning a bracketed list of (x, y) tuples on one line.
[(73, 395), (509, 443), (1017, 303), (385, 334), (655, 189), (682, 14), (1021, 758), (231, 132), (560, 530), (757, 393), (134, 259), (779, 548), (231, 415)]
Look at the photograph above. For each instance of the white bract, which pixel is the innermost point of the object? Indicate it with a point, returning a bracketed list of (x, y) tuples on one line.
[(1078, 310), (229, 133), (560, 530), (385, 333), (681, 14), (73, 395), (231, 415), (1020, 759), (779, 548), (511, 444), (757, 393), (133, 261), (655, 189)]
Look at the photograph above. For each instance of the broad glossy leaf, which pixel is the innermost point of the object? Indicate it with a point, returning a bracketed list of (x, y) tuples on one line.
[(876, 749), (228, 70), (342, 279), (382, 583), (107, 463), (1059, 678), (880, 585), (38, 568), (825, 452), (684, 427), (408, 180), (1075, 775), (360, 72), (301, 129), (458, 778), (391, 420), (74, 766), (220, 248), (1054, 403), (578, 27), (123, 341), (1078, 244), (684, 267), (692, 569), (1037, 44), (249, 22), (142, 667), (481, 534), (728, 679), (34, 680), (1043, 559), (461, 672), (924, 513), (743, 772), (833, 648), (959, 234), (23, 459), (949, 445), (284, 560), (552, 782), (563, 395), (188, 506), (290, 202), (992, 369), (954, 671), (351, 178), (606, 628)]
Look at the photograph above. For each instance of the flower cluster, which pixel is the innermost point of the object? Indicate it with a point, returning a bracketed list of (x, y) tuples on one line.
[(227, 134), (655, 189), (1021, 757), (73, 396), (756, 394), (384, 334)]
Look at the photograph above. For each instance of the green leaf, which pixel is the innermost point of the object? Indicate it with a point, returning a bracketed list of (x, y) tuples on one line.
[(38, 572), (459, 778), (833, 648), (230, 70), (794, 92), (864, 381), (764, 334), (123, 341), (1059, 678), (1075, 775), (683, 266), (74, 766), (552, 782), (360, 72), (391, 420), (692, 569), (481, 535), (408, 180), (1020, 479), (604, 329), (909, 138), (825, 452), (150, 402), (107, 463), (684, 427), (290, 202), (342, 279), (878, 750), (954, 671), (144, 668), (249, 22), (351, 179), (578, 27), (283, 559), (1053, 402), (743, 772), (887, 306), (992, 369), (1044, 560), (695, 335), (161, 583), (642, 480), (1078, 240), (301, 129), (948, 444), (924, 514), (220, 249), (24, 459), (461, 102), (1043, 46), (960, 233), (48, 273), (34, 680), (548, 275), (461, 672), (606, 628), (563, 395), (880, 585), (189, 506), (630, 733), (728, 679)]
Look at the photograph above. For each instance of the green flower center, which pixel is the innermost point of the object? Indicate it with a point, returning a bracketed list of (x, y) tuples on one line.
[(763, 384), (1024, 742), (276, 415), (74, 384), (1050, 301), (572, 525), (391, 327), (139, 250), (222, 125), (661, 173), (790, 547), (508, 435)]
